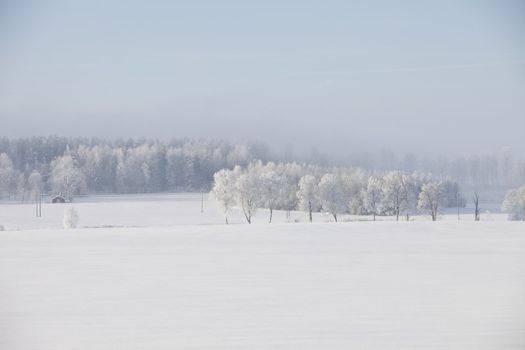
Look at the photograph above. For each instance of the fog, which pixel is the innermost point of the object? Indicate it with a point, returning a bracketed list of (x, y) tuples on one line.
[(446, 77)]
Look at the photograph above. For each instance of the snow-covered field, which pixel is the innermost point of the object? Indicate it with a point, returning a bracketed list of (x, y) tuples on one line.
[(168, 210), (183, 280)]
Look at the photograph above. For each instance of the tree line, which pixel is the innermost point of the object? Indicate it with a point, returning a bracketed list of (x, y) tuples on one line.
[(73, 166), (77, 165), (336, 190)]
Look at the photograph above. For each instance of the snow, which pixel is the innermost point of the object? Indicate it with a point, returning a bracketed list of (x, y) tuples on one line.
[(116, 211), (146, 210), (169, 284)]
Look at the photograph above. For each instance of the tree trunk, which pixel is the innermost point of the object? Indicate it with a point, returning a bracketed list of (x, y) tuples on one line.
[(310, 210), (374, 216), (434, 210), (271, 214), (335, 217), (476, 206), (247, 216), (226, 220), (457, 202)]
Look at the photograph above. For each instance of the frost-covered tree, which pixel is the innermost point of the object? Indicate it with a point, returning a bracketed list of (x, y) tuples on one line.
[(290, 175), (239, 155), (21, 186), (287, 194), (141, 169), (121, 171), (175, 169), (354, 182), (514, 204), (411, 189), (35, 184), (224, 190), (331, 194), (66, 178), (373, 195), (146, 174), (98, 165), (7, 175), (393, 193), (270, 184), (248, 194), (157, 168), (308, 194), (432, 198)]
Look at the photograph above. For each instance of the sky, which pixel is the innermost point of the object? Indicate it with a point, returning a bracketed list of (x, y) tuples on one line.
[(433, 77)]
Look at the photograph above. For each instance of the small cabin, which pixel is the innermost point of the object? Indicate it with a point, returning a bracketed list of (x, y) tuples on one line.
[(58, 199)]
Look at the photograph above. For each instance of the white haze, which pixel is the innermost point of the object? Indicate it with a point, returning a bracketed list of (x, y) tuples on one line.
[(437, 78)]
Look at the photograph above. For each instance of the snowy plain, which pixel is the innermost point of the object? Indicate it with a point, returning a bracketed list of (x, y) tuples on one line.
[(146, 210), (166, 276)]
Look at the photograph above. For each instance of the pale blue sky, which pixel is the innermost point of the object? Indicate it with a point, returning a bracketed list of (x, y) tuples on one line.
[(351, 75)]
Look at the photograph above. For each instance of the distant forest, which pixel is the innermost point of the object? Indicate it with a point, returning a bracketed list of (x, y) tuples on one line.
[(93, 165)]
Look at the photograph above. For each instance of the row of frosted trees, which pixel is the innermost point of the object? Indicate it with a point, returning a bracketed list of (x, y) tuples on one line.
[(334, 190)]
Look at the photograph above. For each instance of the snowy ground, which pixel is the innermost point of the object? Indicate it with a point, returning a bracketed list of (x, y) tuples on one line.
[(350, 285), (168, 210)]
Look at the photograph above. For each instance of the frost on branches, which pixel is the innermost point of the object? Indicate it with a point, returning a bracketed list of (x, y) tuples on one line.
[(373, 195), (224, 190), (514, 204), (66, 178), (331, 194), (432, 198), (308, 195), (333, 190)]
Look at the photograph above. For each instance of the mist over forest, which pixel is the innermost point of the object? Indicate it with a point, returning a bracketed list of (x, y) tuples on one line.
[(147, 165)]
